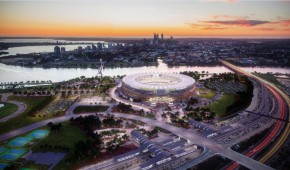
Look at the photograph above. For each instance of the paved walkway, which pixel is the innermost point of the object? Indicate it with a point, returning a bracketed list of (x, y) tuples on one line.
[(134, 105), (21, 107)]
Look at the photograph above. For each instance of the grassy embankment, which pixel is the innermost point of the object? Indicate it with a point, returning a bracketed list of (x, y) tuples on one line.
[(25, 118), (7, 109), (220, 106)]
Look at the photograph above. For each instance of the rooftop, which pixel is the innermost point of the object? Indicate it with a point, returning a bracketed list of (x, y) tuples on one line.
[(158, 81)]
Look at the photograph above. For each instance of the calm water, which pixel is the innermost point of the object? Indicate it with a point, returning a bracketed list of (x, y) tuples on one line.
[(42, 48), (42, 40), (17, 73), (30, 40), (37, 49)]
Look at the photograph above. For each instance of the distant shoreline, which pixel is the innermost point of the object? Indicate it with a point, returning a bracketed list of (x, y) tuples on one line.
[(148, 37)]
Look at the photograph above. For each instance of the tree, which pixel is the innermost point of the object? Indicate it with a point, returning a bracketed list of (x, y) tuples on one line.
[(54, 127), (125, 137)]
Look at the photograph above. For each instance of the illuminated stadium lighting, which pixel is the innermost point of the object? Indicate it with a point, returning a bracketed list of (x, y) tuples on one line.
[(158, 87)]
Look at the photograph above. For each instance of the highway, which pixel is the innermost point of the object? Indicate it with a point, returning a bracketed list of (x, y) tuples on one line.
[(222, 149), (281, 97), (246, 124)]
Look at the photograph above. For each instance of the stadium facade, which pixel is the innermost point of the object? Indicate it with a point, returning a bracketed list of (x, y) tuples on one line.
[(158, 87)]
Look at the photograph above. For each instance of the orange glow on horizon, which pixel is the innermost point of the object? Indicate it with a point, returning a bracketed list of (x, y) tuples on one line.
[(111, 31), (142, 18)]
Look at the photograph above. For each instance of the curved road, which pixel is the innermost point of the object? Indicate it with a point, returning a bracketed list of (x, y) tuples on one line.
[(284, 103), (21, 107), (118, 99)]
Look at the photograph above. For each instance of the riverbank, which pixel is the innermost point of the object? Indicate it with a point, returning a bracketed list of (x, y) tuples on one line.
[(10, 73), (72, 64)]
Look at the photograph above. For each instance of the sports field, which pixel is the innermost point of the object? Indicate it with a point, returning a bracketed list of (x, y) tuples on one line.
[(12, 154), (20, 141), (38, 134)]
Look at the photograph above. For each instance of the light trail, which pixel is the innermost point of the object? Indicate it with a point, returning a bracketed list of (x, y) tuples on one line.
[(276, 92)]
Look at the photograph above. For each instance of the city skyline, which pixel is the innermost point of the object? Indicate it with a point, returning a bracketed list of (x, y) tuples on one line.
[(141, 18)]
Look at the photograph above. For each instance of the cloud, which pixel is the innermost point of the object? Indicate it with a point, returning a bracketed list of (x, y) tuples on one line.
[(214, 28), (259, 25), (207, 26), (229, 17), (265, 29), (244, 23), (285, 23)]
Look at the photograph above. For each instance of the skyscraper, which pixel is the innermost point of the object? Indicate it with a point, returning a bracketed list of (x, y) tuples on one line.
[(100, 46), (94, 48), (161, 36), (62, 49), (80, 49), (155, 39), (57, 51)]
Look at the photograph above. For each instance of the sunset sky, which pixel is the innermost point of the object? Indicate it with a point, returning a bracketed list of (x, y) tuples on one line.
[(142, 18)]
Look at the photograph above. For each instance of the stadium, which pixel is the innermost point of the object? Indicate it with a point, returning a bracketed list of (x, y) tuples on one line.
[(157, 87)]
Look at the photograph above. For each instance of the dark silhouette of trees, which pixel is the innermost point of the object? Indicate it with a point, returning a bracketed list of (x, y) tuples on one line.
[(85, 149), (54, 127), (124, 108), (111, 122)]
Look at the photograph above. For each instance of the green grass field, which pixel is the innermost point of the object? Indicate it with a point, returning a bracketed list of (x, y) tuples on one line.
[(7, 109), (24, 118), (206, 93), (220, 106), (88, 109), (66, 137)]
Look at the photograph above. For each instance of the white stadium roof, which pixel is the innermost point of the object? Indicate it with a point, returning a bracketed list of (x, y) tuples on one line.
[(158, 81)]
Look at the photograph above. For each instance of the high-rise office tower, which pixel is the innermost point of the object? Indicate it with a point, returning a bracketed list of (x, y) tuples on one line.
[(57, 50), (155, 39), (100, 46)]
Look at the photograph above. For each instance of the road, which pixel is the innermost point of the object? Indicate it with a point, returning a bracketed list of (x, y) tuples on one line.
[(184, 133), (284, 102), (134, 105), (21, 107)]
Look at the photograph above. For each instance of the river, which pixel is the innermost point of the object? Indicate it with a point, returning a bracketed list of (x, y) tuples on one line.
[(10, 73), (43, 48)]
